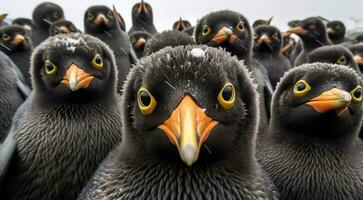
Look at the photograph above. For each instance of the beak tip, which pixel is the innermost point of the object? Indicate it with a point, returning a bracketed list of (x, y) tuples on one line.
[(188, 154)]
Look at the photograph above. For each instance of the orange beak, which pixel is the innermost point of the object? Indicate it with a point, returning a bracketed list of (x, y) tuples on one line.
[(358, 59), (18, 39), (287, 47), (188, 128), (264, 39), (180, 26), (76, 78), (140, 42), (3, 16), (101, 19), (297, 30), (334, 99), (142, 7), (224, 34), (330, 30), (63, 29)]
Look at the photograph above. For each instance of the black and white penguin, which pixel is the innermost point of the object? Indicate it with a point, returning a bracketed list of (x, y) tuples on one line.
[(336, 31), (357, 51), (267, 50), (138, 40), (190, 116), (312, 150), (181, 24), (43, 16), (24, 22), (62, 27), (16, 43), (69, 123), (142, 18)]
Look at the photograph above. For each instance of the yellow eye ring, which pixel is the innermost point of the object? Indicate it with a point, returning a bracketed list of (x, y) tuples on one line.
[(50, 68), (97, 62), (90, 16), (342, 60), (206, 30), (110, 15), (356, 93), (312, 26), (301, 88), (6, 37), (227, 96), (240, 27), (146, 101)]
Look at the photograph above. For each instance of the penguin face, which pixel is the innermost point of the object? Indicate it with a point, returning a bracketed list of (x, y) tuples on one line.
[(334, 54), (73, 67), (357, 51), (62, 27), (138, 40), (267, 38), (181, 25), (24, 22), (47, 13), (14, 39), (226, 29), (190, 101), (99, 19), (310, 30), (336, 30), (142, 11), (322, 100)]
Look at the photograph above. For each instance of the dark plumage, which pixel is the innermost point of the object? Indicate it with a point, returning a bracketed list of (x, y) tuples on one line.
[(68, 124), (312, 150), (17, 45), (62, 27), (219, 164), (181, 25), (259, 22), (357, 51), (24, 22), (167, 39), (267, 50), (100, 22), (336, 31), (189, 31), (142, 18), (43, 16), (138, 40), (358, 39)]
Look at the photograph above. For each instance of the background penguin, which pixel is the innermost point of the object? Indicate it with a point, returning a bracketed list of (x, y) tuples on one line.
[(138, 40), (336, 31), (313, 34), (358, 39), (62, 27), (207, 89), (24, 22), (312, 150), (43, 16), (100, 22), (288, 45), (259, 22), (267, 46), (16, 44), (2, 19), (333, 54), (70, 122), (231, 31), (181, 25), (142, 18), (357, 51), (167, 39)]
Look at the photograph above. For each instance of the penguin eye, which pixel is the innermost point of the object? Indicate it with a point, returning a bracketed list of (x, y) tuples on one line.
[(6, 37), (110, 15), (72, 28), (255, 36), (240, 27), (312, 26), (55, 15), (97, 62), (275, 36), (356, 93), (206, 30), (227, 96), (342, 60), (50, 68), (337, 27), (301, 88), (55, 30), (133, 40), (90, 16), (146, 101)]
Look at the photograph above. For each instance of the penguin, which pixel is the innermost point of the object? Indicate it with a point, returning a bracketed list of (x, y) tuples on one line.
[(138, 40), (16, 43), (357, 51), (100, 21), (334, 54), (167, 39), (313, 34), (231, 31), (2, 19), (62, 27), (70, 121), (312, 150), (267, 50), (181, 25), (259, 22), (336, 31), (210, 94), (43, 16), (24, 22), (142, 18)]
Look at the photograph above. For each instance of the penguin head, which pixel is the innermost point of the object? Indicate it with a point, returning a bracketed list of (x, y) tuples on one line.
[(24, 22), (99, 19), (259, 22), (288, 44), (181, 25), (74, 68), (142, 12), (189, 105), (267, 38), (226, 29), (14, 38), (334, 54), (336, 30), (357, 51), (46, 13), (62, 27), (319, 100), (139, 39)]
